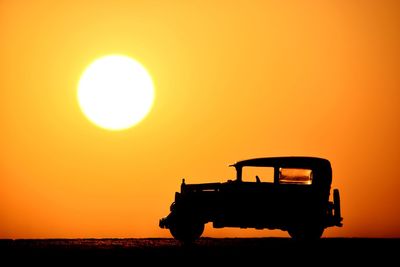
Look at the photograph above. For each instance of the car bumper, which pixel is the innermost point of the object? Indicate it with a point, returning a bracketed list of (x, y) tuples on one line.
[(163, 223)]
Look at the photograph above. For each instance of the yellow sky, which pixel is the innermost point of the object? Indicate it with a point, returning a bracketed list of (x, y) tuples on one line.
[(233, 80)]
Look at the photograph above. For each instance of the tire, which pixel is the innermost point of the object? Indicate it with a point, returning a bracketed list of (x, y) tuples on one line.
[(186, 231), (306, 234)]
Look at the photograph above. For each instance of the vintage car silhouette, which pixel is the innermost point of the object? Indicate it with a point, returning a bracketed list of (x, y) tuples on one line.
[(287, 193)]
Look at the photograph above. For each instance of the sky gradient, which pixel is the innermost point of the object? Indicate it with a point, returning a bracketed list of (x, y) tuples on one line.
[(233, 80)]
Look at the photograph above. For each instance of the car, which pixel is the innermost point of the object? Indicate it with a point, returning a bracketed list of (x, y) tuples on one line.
[(287, 193)]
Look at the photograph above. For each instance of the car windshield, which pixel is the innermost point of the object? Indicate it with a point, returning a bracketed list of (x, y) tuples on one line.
[(295, 176), (258, 174)]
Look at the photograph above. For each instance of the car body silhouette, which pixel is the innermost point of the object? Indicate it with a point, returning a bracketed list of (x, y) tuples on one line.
[(287, 193)]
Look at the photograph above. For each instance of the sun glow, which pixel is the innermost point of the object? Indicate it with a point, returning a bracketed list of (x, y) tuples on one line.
[(115, 92)]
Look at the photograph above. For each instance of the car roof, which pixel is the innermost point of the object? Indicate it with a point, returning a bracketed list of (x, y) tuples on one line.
[(321, 167), (289, 162)]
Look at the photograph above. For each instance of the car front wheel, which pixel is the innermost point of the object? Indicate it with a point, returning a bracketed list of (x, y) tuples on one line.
[(306, 234), (186, 231)]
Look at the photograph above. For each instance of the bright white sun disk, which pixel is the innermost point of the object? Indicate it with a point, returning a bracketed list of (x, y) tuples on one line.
[(115, 92)]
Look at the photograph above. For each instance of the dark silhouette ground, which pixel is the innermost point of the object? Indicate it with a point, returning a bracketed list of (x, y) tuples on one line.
[(205, 252)]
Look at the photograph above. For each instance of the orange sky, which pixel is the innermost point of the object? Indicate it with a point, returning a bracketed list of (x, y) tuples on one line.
[(234, 80)]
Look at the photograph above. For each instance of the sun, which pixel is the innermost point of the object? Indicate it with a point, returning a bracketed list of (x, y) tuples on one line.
[(115, 92)]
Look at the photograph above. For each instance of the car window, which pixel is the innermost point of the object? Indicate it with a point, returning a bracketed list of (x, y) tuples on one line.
[(295, 176), (264, 174)]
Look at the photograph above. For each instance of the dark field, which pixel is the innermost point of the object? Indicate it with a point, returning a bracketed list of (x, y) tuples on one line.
[(260, 251)]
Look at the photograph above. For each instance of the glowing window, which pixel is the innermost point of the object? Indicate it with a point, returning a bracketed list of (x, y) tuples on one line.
[(295, 176)]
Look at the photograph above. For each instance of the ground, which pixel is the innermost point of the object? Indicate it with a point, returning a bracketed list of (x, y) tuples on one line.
[(215, 251)]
